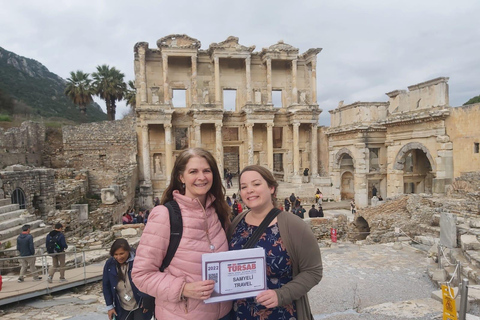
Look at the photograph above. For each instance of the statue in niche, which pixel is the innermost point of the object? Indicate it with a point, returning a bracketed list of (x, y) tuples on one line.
[(258, 97), (303, 97), (157, 160), (205, 96)]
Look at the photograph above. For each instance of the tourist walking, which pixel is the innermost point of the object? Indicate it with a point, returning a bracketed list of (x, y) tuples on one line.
[(27, 252), (124, 300), (286, 204), (56, 245), (353, 207), (293, 267), (196, 185)]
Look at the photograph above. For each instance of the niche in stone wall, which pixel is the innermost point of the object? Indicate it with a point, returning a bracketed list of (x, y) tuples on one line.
[(181, 138), (158, 164), (277, 137), (230, 134)]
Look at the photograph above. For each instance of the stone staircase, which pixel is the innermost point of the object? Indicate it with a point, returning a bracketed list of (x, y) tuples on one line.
[(11, 221)]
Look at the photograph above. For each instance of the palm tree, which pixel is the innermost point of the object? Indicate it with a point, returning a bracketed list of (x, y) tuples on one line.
[(108, 84), (131, 95), (79, 90)]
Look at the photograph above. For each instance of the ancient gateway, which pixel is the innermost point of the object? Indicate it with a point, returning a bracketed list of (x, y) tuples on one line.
[(245, 107)]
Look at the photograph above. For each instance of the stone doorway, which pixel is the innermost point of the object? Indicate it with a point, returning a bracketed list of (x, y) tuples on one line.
[(347, 190), (417, 175), (231, 159), (18, 197)]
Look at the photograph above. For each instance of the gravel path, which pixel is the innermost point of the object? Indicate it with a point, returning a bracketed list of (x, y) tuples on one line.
[(374, 282)]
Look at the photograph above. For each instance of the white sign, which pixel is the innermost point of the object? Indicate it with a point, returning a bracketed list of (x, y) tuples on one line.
[(237, 274)]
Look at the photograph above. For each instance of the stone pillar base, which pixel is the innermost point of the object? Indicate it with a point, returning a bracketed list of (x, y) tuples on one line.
[(296, 179), (145, 195)]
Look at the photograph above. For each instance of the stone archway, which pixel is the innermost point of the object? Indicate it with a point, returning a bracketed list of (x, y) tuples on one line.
[(18, 197), (362, 229), (418, 168)]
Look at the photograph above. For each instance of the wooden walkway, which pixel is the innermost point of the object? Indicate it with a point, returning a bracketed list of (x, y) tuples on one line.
[(13, 291)]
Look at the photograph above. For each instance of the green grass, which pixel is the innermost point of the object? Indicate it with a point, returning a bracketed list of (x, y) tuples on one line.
[(5, 117)]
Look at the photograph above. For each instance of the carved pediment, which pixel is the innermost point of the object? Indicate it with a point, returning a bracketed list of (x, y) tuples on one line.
[(281, 46), (231, 44), (179, 41)]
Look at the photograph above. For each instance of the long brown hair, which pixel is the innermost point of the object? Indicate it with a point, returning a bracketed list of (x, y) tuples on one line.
[(217, 190), (266, 175)]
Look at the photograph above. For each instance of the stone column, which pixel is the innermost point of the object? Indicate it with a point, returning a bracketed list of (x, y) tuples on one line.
[(166, 91), (269, 81), (219, 147), (314, 81), (194, 80), (294, 82), (313, 158), (168, 151), (142, 76), (198, 135), (296, 154), (218, 98), (248, 76), (270, 146), (146, 155), (249, 127)]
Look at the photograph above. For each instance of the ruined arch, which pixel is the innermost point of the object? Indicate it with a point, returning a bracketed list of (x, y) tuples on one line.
[(340, 154), (18, 197), (418, 167), (400, 158)]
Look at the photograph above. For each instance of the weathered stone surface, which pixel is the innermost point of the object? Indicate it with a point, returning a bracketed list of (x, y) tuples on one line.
[(130, 232), (108, 196), (469, 242), (448, 230), (82, 211)]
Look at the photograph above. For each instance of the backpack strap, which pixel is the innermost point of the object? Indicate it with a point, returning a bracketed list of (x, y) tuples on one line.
[(261, 228), (176, 231)]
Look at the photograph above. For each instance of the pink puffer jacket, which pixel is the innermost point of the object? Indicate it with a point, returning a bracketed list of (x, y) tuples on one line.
[(186, 265)]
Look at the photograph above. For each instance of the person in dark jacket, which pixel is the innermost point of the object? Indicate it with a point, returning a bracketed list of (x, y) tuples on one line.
[(123, 299), (58, 257), (26, 249), (313, 213)]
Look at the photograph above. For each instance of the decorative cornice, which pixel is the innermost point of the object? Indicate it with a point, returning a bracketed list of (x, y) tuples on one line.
[(230, 44), (280, 46), (178, 41)]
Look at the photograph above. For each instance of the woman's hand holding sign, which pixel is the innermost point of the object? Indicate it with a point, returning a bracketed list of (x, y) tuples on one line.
[(199, 289), (268, 299)]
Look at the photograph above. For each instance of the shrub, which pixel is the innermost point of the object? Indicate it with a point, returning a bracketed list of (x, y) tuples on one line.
[(5, 117)]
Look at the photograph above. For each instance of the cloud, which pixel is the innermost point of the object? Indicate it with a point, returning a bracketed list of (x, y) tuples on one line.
[(369, 47)]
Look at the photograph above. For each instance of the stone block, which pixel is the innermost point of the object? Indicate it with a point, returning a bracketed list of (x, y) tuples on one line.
[(108, 196), (448, 230), (469, 242), (130, 232), (82, 211)]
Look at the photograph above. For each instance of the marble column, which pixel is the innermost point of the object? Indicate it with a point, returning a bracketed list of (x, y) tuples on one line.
[(296, 149), (314, 81), (168, 151), (248, 79), (198, 135), (249, 127), (142, 75), (194, 92), (270, 146), (166, 90), (218, 98), (294, 82), (314, 156), (219, 147), (269, 81), (146, 155)]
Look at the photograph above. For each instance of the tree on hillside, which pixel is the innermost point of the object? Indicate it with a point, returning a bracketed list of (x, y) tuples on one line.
[(131, 95), (473, 100), (108, 84), (79, 90), (6, 103)]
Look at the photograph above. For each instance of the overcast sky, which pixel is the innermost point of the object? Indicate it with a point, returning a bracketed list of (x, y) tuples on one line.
[(370, 47)]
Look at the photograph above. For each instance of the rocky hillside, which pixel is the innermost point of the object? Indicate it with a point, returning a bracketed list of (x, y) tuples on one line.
[(29, 82)]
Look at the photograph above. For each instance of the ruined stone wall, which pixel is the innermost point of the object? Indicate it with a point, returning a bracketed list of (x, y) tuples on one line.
[(105, 149), (71, 187), (22, 145), (38, 186), (464, 131)]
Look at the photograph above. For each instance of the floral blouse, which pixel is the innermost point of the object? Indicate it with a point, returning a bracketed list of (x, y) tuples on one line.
[(279, 272)]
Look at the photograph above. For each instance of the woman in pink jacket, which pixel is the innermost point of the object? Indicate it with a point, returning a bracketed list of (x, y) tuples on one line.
[(179, 291)]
